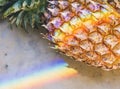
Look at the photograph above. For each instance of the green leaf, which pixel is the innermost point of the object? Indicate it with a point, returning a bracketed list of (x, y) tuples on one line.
[(19, 20), (15, 8), (25, 22)]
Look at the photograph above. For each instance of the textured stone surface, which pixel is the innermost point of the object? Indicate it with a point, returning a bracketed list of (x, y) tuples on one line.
[(21, 52)]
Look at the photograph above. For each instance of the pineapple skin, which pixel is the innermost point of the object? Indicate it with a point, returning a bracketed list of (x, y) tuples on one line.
[(87, 30)]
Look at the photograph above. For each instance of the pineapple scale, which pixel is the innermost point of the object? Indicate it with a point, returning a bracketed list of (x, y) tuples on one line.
[(86, 30)]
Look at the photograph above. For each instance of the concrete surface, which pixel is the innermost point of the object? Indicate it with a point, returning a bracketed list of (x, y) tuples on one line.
[(21, 52)]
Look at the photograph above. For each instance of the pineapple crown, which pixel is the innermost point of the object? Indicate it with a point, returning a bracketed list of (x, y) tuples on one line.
[(23, 12)]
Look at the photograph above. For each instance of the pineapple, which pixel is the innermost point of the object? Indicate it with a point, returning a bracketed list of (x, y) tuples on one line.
[(87, 30)]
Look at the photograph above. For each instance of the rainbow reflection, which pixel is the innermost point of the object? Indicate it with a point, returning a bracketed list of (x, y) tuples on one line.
[(52, 73)]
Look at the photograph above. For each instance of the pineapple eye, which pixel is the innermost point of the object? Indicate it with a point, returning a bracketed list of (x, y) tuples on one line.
[(91, 55), (63, 4), (116, 50), (101, 49), (76, 7), (66, 15), (50, 27), (58, 35), (94, 7), (111, 40), (76, 50), (86, 45), (57, 22), (80, 34), (71, 40), (55, 11), (75, 22), (104, 28), (95, 37), (108, 58), (67, 28)]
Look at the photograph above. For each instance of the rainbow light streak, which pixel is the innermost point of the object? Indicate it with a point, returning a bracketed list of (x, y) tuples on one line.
[(40, 78)]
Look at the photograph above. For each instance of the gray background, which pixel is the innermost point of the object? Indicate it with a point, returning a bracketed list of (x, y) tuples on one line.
[(21, 51)]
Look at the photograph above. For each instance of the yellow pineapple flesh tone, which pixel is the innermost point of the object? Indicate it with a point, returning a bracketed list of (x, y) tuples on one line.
[(86, 30)]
